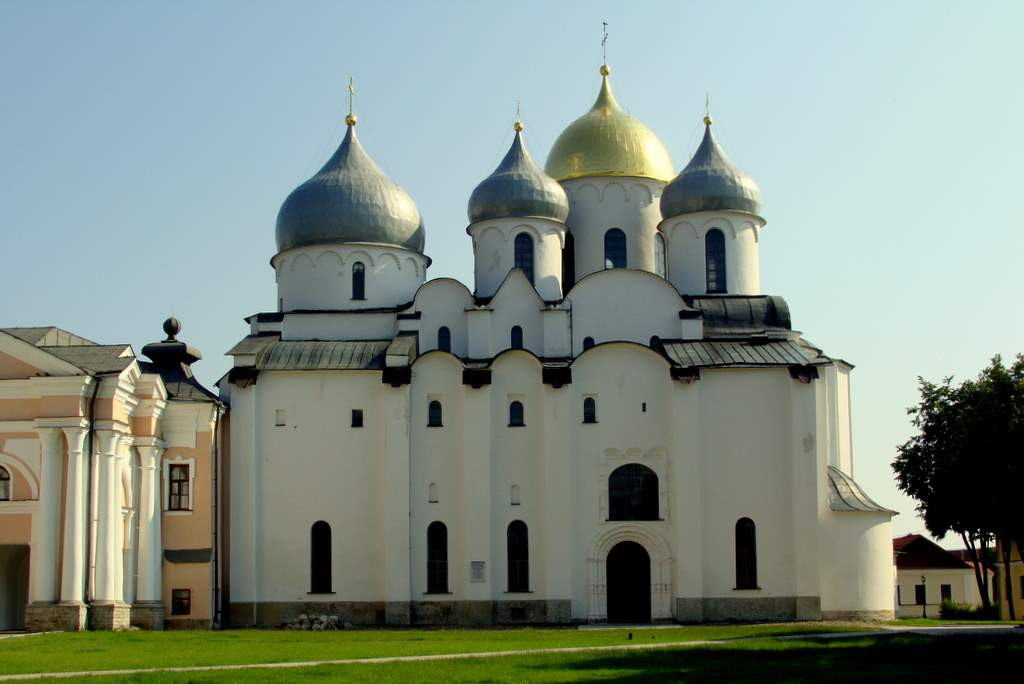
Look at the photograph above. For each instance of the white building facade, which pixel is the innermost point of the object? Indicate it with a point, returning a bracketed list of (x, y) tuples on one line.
[(613, 425)]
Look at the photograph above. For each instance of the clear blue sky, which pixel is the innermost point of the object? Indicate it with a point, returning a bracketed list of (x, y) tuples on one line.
[(145, 149)]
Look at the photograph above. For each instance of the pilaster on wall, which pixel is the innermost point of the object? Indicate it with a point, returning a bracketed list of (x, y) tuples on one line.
[(72, 586), (108, 553), (46, 521), (808, 486), (476, 495), (394, 480), (150, 563)]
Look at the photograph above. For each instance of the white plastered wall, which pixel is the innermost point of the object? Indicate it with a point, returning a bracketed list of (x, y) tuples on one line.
[(620, 304), (319, 277), (598, 204), (314, 467), (686, 256), (443, 302), (494, 253)]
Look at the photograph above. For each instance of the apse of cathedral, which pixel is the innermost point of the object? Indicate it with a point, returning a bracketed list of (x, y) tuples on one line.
[(611, 424)]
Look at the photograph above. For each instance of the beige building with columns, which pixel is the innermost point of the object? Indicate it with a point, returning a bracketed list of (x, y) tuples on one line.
[(107, 500)]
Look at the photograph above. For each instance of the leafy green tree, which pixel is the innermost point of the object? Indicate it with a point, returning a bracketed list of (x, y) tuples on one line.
[(933, 468), (965, 465), (996, 429)]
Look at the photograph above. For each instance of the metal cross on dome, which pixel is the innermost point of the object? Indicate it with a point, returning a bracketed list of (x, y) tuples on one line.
[(604, 43)]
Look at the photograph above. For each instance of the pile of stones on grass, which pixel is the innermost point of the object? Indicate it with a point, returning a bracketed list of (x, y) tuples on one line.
[(317, 623)]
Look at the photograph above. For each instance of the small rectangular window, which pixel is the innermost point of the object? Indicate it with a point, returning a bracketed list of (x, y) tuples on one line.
[(919, 594), (946, 591), (476, 569), (181, 601), (279, 417), (179, 494), (357, 417)]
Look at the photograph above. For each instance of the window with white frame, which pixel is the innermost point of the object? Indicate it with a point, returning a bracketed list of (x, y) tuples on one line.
[(179, 493), (179, 485), (5, 484)]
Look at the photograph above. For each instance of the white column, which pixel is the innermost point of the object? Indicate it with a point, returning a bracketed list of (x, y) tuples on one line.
[(108, 554), (46, 521), (150, 568), (73, 563)]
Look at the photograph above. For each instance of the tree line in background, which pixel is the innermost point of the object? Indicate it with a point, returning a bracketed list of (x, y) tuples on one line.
[(965, 465)]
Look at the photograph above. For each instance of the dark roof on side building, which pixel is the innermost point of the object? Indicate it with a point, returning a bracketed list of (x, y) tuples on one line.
[(914, 551)]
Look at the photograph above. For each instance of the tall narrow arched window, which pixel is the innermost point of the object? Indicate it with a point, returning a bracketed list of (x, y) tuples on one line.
[(615, 249), (633, 493), (513, 495), (358, 280), (714, 258), (437, 558), (746, 554), (589, 410), (434, 414), (320, 558), (524, 254), (588, 342), (659, 255), (516, 337), (515, 414), (444, 338), (518, 556), (5, 485), (432, 493)]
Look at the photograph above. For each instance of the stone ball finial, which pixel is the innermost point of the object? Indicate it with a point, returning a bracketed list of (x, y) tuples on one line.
[(172, 326)]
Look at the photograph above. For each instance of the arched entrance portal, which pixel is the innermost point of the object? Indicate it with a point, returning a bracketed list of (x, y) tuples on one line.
[(629, 583)]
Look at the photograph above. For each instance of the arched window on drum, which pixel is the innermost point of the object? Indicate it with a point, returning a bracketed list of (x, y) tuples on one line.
[(615, 249), (358, 280), (524, 254), (659, 255), (714, 257)]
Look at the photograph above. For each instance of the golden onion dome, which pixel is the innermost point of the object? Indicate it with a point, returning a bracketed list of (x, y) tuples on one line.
[(606, 141)]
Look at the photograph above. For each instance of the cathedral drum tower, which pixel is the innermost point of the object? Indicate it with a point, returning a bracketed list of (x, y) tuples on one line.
[(613, 168)]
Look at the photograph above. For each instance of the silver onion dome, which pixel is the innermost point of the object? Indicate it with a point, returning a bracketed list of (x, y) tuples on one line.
[(349, 200), (710, 182), (518, 188)]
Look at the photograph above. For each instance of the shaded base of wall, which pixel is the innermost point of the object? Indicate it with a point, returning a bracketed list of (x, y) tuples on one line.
[(109, 616), (859, 615), (188, 623), (55, 617), (148, 615), (748, 608), (386, 613)]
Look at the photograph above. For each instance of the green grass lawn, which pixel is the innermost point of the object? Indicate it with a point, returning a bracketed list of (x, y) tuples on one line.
[(936, 622), (906, 659), (129, 650)]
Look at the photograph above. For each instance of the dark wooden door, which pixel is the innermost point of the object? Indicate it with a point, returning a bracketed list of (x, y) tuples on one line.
[(629, 584)]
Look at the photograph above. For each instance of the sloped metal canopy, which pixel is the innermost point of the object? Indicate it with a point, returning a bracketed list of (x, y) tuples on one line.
[(845, 495)]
